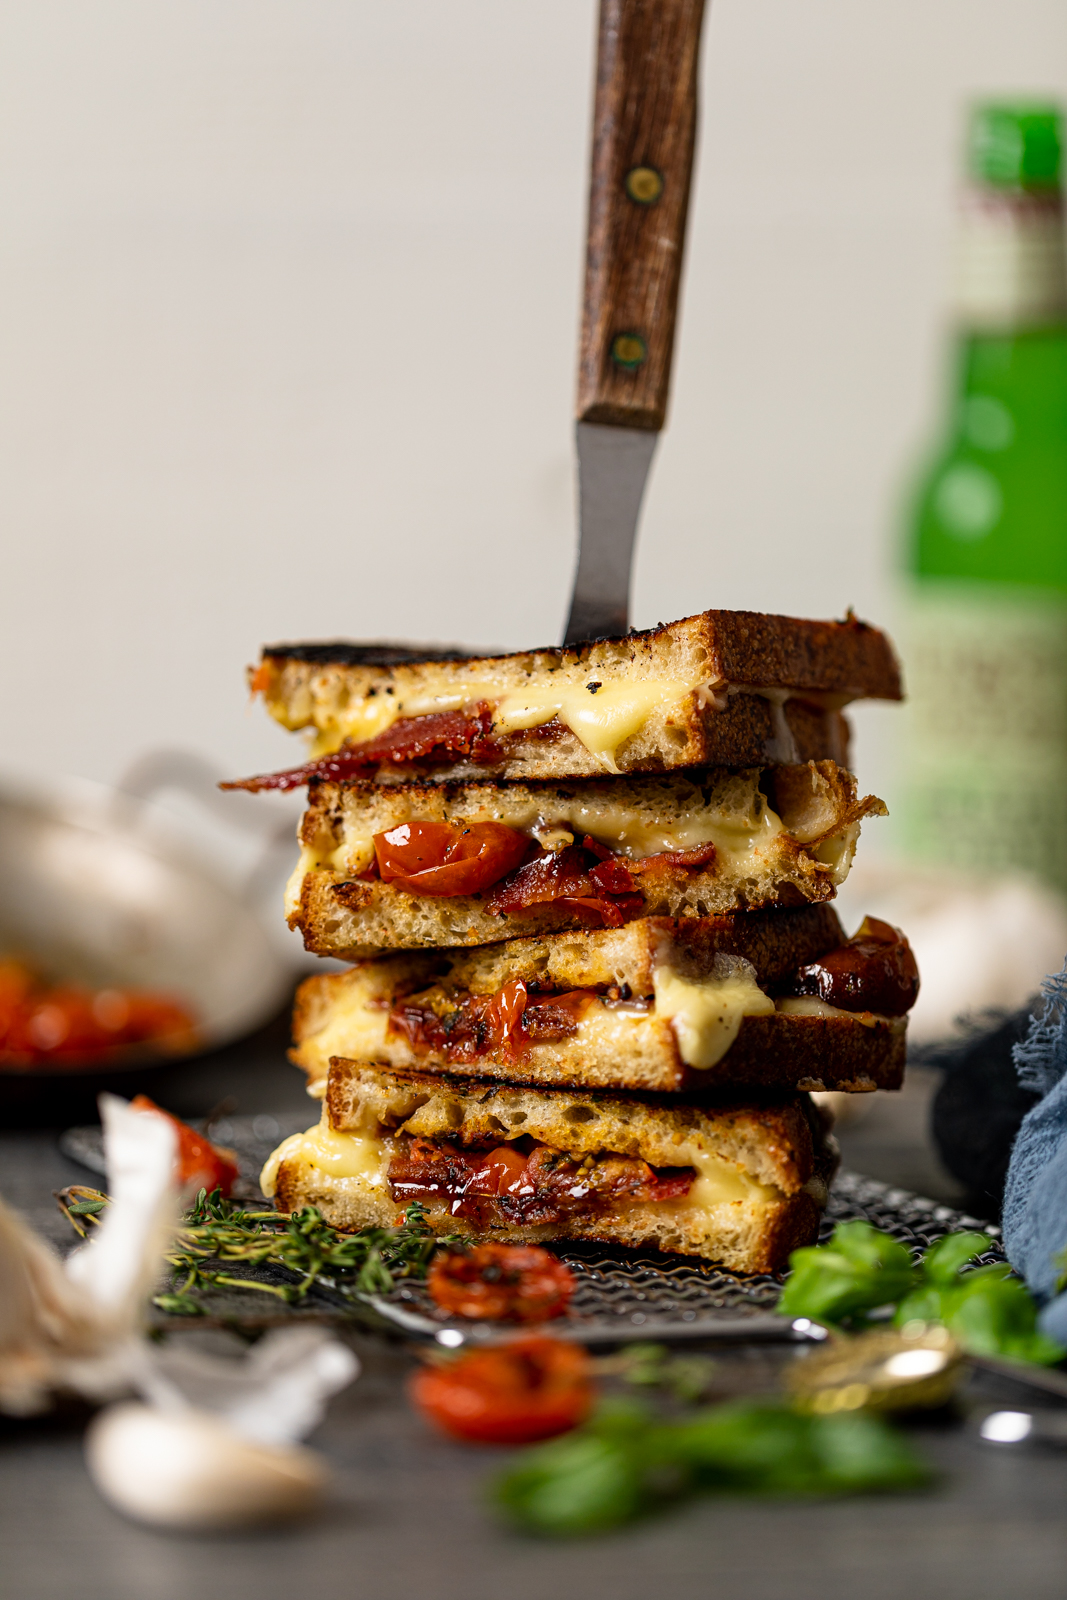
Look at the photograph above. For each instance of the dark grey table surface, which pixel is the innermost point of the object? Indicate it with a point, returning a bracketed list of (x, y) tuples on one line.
[(406, 1517)]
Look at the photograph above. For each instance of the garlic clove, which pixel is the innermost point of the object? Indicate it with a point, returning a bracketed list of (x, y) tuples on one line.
[(186, 1469)]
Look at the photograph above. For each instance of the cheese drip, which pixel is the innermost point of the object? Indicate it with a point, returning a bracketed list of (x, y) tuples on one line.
[(602, 718), (707, 1013), (338, 1155)]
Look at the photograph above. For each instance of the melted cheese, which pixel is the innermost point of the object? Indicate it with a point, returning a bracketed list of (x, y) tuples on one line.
[(356, 1027), (740, 830), (339, 1155), (720, 1182), (706, 1013), (307, 863), (348, 1155), (837, 852), (809, 1006), (602, 719)]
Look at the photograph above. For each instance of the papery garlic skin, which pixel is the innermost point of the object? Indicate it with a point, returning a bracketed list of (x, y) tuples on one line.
[(186, 1469)]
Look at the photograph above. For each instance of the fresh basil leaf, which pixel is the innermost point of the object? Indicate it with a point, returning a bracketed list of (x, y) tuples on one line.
[(944, 1260), (859, 1270), (997, 1316), (623, 1463), (857, 1451), (924, 1304), (579, 1484), (748, 1444)]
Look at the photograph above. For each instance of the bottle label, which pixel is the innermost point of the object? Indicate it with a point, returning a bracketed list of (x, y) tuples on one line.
[(1010, 268), (986, 769)]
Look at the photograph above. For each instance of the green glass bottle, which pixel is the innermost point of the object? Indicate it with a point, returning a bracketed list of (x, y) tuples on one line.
[(985, 635)]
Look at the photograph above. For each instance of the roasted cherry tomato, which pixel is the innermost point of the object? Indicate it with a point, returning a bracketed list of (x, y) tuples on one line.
[(201, 1164), (531, 1388), (68, 1025), (443, 858), (512, 1283), (875, 971)]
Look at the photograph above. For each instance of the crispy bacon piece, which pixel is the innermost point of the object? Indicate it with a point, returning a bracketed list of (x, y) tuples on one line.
[(489, 1189), (874, 971), (445, 858), (438, 736), (601, 892), (548, 877), (550, 732), (671, 862), (500, 1024), (556, 1016), (604, 892)]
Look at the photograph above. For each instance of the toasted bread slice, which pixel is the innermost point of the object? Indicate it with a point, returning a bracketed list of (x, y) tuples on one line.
[(724, 688), (657, 1005), (781, 836), (753, 1177)]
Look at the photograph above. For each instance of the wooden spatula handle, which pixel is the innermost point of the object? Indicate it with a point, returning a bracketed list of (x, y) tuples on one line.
[(644, 129)]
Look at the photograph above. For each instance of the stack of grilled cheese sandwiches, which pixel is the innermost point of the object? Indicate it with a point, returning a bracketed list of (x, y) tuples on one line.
[(586, 895)]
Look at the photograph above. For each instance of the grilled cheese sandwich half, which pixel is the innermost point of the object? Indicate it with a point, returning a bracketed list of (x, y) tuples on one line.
[(741, 1185), (406, 866), (720, 688), (770, 1000)]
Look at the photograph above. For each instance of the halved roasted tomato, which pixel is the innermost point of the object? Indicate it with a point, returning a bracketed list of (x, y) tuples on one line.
[(531, 1388), (512, 1283), (445, 858)]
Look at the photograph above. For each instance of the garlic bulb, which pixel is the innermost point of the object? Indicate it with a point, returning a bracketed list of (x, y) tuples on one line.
[(188, 1469)]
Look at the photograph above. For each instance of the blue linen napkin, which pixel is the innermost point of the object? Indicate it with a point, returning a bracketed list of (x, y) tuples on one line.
[(1035, 1196)]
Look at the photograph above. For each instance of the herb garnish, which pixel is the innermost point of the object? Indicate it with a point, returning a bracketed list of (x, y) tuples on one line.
[(220, 1235), (861, 1270), (625, 1462)]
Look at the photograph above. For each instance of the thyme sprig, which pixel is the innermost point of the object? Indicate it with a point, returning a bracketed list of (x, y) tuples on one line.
[(81, 1206), (220, 1237)]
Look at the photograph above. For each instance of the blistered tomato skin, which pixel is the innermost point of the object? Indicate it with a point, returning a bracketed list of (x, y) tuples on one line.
[(442, 858), (499, 1282), (530, 1388), (875, 971)]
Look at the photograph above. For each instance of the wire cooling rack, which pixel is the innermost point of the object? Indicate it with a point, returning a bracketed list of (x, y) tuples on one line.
[(621, 1295), (627, 1295)]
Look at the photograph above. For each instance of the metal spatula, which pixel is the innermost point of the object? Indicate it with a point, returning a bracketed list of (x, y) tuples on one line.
[(644, 130)]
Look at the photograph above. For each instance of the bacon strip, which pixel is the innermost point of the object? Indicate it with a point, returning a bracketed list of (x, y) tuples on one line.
[(672, 861), (604, 893), (438, 735)]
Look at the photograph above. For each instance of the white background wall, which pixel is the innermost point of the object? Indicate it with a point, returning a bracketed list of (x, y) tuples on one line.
[(288, 309)]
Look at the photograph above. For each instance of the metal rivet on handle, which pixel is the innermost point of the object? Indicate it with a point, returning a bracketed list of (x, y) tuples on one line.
[(644, 185), (628, 350)]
